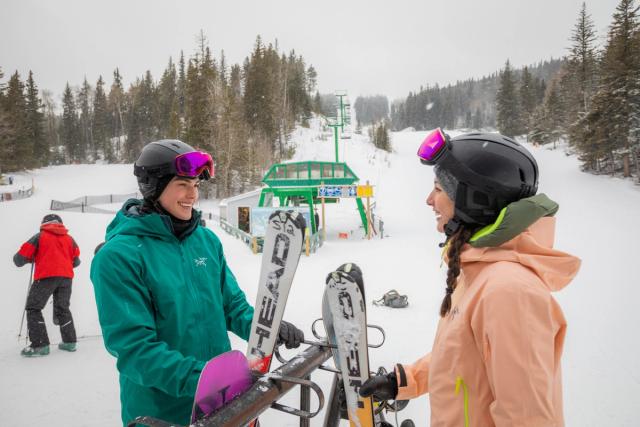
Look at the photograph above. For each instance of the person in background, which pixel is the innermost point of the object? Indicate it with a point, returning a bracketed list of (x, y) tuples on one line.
[(497, 352), (166, 297), (55, 255)]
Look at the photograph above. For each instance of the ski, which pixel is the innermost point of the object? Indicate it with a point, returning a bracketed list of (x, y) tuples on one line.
[(280, 256), (281, 253), (345, 318)]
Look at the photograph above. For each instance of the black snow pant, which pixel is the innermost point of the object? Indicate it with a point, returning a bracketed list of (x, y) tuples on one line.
[(40, 292)]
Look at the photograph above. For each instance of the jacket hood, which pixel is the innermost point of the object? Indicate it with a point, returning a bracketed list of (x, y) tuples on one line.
[(532, 248), (55, 228), (130, 220)]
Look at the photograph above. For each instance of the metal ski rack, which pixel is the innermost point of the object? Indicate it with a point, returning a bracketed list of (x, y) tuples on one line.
[(269, 388), (324, 343)]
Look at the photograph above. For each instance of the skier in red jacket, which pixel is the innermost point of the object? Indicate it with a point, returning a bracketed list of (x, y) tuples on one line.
[(55, 255)]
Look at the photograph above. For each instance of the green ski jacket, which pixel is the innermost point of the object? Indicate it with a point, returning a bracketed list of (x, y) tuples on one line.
[(165, 306)]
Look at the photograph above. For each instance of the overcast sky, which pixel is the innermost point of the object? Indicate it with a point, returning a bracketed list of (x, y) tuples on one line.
[(366, 47)]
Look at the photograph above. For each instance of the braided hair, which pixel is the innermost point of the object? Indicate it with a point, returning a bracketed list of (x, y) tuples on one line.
[(456, 242)]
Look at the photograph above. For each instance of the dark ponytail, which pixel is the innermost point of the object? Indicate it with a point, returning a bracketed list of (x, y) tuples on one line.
[(461, 236)]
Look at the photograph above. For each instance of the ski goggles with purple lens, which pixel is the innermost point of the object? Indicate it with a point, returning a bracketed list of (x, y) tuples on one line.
[(194, 164), (433, 147)]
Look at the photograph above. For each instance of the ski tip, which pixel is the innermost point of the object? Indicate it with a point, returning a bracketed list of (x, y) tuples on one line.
[(298, 218), (279, 213), (334, 275), (351, 271), (293, 216), (350, 267)]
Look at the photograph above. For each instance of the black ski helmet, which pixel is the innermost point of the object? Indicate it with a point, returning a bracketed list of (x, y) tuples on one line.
[(155, 166), (51, 218), (492, 171)]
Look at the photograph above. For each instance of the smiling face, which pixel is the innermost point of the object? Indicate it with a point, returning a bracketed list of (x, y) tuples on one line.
[(179, 197), (441, 204)]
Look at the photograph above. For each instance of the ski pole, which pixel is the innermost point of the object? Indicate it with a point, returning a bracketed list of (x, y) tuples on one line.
[(24, 312)]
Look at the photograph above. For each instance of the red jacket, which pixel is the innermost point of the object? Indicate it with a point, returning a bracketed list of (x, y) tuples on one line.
[(54, 250)]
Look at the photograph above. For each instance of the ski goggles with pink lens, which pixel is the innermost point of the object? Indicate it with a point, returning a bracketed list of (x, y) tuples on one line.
[(433, 147), (194, 164)]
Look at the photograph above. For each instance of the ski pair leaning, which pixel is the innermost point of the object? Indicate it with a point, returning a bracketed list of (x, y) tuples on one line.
[(281, 253), (345, 319)]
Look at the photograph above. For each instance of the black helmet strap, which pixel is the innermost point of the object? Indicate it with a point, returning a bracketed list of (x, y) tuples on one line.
[(451, 227)]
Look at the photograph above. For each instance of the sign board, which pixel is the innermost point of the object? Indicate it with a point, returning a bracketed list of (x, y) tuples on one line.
[(365, 191), (337, 191)]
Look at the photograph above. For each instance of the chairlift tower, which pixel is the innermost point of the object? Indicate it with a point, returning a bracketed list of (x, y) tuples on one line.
[(343, 117)]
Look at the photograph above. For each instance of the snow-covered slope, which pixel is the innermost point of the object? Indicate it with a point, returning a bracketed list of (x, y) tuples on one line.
[(597, 222)]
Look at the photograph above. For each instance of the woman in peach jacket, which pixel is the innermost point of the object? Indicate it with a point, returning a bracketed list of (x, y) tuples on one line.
[(496, 356)]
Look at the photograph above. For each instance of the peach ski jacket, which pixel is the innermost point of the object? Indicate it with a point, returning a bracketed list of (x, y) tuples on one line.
[(496, 356)]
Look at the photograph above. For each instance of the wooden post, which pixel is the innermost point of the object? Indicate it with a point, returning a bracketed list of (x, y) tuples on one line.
[(254, 245), (625, 166)]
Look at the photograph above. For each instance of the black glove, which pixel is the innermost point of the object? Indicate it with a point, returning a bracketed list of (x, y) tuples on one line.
[(382, 387), (291, 336)]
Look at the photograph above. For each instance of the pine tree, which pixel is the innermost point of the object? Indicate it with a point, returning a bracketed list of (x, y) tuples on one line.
[(233, 153), (317, 103), (195, 105), (69, 127), (6, 129), (51, 125), (612, 121), (117, 111), (100, 123), (554, 112), (477, 119), (379, 134), (582, 59), (85, 102), (538, 133), (508, 119), (34, 124), (312, 79), (527, 97), (182, 85), (260, 71), (142, 129), (167, 112), (620, 70), (17, 149)]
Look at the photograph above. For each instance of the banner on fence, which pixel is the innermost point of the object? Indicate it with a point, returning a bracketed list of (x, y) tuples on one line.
[(16, 195), (86, 203)]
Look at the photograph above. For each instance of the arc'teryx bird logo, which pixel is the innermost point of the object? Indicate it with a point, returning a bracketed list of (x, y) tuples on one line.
[(200, 262)]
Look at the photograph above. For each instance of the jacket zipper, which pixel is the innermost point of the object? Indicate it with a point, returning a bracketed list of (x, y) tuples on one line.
[(465, 391), (193, 291)]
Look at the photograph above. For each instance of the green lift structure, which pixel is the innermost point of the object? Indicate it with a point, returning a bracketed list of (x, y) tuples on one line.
[(297, 184)]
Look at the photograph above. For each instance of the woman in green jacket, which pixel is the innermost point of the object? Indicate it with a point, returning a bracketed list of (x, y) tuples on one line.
[(165, 295)]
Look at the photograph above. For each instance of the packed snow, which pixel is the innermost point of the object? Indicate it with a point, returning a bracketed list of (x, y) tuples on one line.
[(597, 221)]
